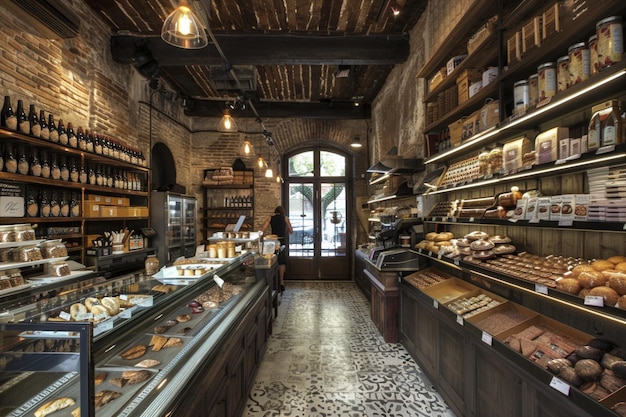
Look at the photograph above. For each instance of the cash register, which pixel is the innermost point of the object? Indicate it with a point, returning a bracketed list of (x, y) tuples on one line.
[(395, 250)]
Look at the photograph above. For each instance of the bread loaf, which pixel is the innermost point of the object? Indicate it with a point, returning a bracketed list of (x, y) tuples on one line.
[(609, 294)]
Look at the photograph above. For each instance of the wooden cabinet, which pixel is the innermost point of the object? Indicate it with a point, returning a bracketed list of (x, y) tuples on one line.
[(385, 302), (97, 208), (225, 201)]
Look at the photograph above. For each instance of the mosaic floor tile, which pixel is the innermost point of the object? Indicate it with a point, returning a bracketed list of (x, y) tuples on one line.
[(326, 358)]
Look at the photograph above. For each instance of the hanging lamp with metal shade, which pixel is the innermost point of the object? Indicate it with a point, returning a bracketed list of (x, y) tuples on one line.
[(183, 29), (227, 124)]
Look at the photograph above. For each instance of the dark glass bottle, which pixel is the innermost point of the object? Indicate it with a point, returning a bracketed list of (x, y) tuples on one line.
[(73, 166), (82, 140), (64, 205), (44, 204), (23, 125), (33, 121), (91, 175), (2, 155), (109, 177), (62, 132), (35, 163), (55, 209), (8, 118), (82, 175), (55, 171), (10, 162), (72, 140), (54, 133), (22, 160), (32, 205), (44, 132), (90, 142), (64, 169), (45, 165), (74, 206), (97, 144), (99, 175)]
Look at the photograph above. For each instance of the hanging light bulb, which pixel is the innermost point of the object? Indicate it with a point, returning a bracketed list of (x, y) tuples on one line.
[(268, 172), (227, 124), (183, 29), (261, 162), (247, 147)]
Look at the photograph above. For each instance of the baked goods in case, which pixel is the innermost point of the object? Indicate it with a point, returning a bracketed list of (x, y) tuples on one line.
[(609, 295), (134, 352), (76, 310), (104, 397), (173, 342), (54, 406), (147, 363), (135, 377)]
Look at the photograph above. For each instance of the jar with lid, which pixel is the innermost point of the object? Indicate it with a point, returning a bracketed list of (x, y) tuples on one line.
[(152, 265), (562, 73), (521, 96), (610, 35), (35, 163), (230, 250), (212, 250), (483, 162), (579, 63), (221, 250), (547, 80), (495, 161), (32, 205), (10, 162)]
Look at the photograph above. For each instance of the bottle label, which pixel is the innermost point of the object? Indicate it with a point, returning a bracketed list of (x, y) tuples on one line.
[(609, 136)]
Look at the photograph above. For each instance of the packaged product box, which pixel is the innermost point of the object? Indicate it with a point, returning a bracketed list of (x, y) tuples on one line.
[(108, 211), (482, 34), (116, 201), (91, 209), (12, 201), (546, 144), (475, 88), (543, 208), (489, 115), (564, 148), (437, 78), (489, 75), (454, 62), (456, 132), (568, 208), (574, 147), (550, 21), (513, 48), (94, 197), (531, 34), (513, 153), (581, 207), (132, 211), (470, 126), (520, 209), (555, 207), (463, 82), (531, 209)]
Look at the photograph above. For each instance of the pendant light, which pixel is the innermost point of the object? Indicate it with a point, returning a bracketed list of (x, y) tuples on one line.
[(356, 143), (247, 147), (227, 123), (183, 29)]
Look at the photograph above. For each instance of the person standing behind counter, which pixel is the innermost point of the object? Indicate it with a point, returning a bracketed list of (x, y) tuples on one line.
[(281, 226)]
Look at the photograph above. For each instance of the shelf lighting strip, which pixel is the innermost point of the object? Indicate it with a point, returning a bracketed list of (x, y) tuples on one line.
[(531, 173), (377, 200), (488, 134), (380, 179)]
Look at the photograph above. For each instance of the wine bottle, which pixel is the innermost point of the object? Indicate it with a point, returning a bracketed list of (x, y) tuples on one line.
[(22, 160), (64, 205), (73, 167), (99, 175), (91, 175), (10, 163), (8, 118), (23, 125), (55, 171), (45, 165), (44, 204), (33, 121), (82, 174), (54, 133), (82, 140), (109, 178), (74, 206), (44, 132), (32, 206), (72, 140), (35, 163), (55, 210), (62, 133), (90, 142), (97, 144)]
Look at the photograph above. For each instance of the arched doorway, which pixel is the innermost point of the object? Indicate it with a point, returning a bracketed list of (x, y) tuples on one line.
[(318, 196)]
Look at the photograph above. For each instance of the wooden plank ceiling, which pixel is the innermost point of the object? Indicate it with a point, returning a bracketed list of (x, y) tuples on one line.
[(293, 58)]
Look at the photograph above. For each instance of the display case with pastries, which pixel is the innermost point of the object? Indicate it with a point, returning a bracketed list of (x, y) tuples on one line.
[(159, 344)]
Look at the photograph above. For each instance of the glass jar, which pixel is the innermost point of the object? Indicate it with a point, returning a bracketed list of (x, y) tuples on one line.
[(152, 265)]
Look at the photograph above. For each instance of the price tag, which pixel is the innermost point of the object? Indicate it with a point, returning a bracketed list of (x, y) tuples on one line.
[(84, 317), (534, 221), (459, 320), (594, 300), (566, 223), (454, 219), (471, 220), (124, 297), (487, 338), (430, 253), (560, 386), (457, 262), (444, 219), (513, 220), (219, 281), (143, 301), (127, 312), (541, 289), (624, 227), (436, 304), (65, 316), (560, 161), (605, 149), (419, 250), (439, 256), (105, 326)]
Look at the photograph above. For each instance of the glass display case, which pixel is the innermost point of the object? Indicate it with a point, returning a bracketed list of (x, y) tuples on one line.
[(144, 356)]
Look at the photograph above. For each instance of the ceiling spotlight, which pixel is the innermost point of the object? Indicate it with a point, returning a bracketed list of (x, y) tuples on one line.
[(183, 29), (356, 143), (395, 11)]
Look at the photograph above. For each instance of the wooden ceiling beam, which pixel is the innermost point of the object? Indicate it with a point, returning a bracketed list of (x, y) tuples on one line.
[(264, 49)]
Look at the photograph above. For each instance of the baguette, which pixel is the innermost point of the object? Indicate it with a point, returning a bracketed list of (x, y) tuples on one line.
[(54, 405)]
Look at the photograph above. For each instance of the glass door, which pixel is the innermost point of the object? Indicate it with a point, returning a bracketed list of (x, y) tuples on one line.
[(317, 208)]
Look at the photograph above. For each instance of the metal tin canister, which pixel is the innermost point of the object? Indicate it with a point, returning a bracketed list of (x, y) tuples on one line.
[(547, 80), (579, 68), (521, 96), (593, 55), (533, 90), (610, 41), (562, 73)]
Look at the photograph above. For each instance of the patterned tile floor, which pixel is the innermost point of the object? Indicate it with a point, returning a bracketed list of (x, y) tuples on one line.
[(326, 358)]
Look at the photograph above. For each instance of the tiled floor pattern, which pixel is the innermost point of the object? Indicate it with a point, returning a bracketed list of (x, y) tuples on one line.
[(326, 358)]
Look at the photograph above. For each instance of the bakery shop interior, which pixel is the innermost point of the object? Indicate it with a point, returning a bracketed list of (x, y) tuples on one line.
[(462, 164)]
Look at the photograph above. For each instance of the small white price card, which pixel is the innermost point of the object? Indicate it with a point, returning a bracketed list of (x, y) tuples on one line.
[(594, 300), (541, 289), (127, 312), (143, 301), (103, 327), (487, 338), (560, 386), (436, 304), (471, 220), (219, 281), (605, 149), (124, 297), (512, 220), (65, 316), (533, 221), (419, 250), (457, 262), (84, 316), (430, 253), (439, 256), (459, 320)]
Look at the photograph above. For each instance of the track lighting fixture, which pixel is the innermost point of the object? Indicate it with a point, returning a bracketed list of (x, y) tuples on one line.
[(395, 11), (183, 29)]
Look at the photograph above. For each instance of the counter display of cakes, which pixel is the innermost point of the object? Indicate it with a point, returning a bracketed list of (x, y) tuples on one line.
[(135, 362)]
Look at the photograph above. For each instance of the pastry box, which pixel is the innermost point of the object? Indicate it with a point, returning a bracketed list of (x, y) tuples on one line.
[(449, 290)]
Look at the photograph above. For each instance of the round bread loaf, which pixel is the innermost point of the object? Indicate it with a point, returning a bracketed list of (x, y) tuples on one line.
[(581, 268), (602, 265), (503, 248), (609, 294), (620, 267), (568, 285), (588, 369), (481, 244), (592, 279), (77, 309), (475, 235), (618, 283), (500, 239), (431, 236), (90, 302), (621, 302), (442, 237), (617, 259), (111, 305)]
